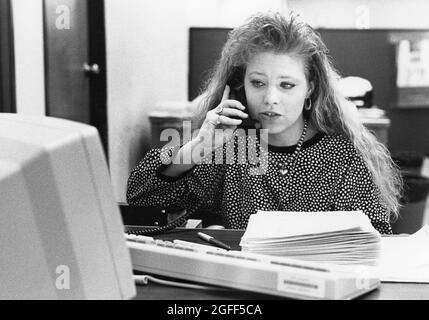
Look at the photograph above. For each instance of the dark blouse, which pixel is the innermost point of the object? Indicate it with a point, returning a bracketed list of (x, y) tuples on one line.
[(328, 175)]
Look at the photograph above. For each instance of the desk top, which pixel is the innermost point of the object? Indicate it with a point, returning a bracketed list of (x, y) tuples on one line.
[(387, 290)]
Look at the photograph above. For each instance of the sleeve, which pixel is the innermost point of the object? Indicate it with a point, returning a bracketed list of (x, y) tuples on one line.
[(147, 186), (358, 191)]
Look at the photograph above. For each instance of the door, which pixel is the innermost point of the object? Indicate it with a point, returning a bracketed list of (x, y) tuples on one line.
[(75, 62), (7, 65)]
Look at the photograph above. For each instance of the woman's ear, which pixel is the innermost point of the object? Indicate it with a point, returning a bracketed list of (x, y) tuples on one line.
[(310, 89)]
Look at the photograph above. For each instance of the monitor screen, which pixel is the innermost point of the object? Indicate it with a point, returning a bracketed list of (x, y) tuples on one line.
[(62, 234)]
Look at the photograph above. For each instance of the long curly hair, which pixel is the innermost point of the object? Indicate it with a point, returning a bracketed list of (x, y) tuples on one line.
[(331, 113)]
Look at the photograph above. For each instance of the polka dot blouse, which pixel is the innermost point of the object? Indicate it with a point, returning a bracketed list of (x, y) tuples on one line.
[(327, 175)]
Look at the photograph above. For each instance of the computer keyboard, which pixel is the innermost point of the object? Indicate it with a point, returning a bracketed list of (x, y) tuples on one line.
[(248, 271)]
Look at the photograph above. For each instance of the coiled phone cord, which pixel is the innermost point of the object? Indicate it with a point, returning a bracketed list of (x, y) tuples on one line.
[(144, 280)]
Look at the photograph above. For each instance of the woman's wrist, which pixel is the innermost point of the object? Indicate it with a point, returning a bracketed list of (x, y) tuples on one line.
[(186, 157)]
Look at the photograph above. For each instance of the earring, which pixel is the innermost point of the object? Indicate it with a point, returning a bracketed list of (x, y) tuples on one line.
[(307, 106)]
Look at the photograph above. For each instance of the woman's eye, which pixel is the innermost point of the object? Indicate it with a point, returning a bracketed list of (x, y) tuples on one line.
[(286, 85), (256, 83)]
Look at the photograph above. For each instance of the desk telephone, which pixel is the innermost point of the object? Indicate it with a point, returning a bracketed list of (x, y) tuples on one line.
[(236, 83)]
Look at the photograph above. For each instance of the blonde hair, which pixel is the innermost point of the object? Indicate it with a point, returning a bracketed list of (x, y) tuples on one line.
[(331, 113)]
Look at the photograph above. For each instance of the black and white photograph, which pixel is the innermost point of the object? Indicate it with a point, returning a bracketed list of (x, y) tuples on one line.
[(208, 157)]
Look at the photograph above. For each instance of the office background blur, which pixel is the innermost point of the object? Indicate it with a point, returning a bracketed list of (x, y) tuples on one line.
[(147, 61)]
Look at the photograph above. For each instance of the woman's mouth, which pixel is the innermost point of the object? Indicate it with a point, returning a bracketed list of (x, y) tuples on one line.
[(269, 116)]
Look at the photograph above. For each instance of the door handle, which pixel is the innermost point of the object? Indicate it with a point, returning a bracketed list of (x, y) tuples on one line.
[(91, 69)]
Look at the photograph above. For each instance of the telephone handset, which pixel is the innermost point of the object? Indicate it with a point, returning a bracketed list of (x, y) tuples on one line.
[(236, 83)]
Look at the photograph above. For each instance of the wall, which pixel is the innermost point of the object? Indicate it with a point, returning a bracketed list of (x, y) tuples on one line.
[(29, 59), (346, 14), (147, 62)]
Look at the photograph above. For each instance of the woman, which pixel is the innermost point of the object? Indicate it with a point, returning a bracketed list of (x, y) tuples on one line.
[(275, 70)]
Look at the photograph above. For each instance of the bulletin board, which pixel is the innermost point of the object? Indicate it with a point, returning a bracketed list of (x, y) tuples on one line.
[(370, 54)]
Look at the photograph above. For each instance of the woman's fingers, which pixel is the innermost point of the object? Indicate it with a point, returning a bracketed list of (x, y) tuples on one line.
[(217, 120), (226, 101), (230, 112), (233, 104), (222, 120), (226, 91)]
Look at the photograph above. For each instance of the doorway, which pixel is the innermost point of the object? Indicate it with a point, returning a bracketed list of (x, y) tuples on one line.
[(75, 62)]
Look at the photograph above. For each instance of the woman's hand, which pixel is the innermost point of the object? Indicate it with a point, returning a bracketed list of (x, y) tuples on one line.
[(224, 117), (217, 128)]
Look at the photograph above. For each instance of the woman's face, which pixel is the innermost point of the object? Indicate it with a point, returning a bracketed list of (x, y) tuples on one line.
[(276, 88)]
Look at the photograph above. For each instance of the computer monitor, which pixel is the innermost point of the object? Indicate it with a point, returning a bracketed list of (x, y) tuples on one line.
[(61, 231)]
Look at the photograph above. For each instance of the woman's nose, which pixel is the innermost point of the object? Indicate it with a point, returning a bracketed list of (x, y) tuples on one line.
[(271, 96)]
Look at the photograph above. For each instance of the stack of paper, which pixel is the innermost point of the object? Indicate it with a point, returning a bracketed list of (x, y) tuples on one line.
[(333, 237)]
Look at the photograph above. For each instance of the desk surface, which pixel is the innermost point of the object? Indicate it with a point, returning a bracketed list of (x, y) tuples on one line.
[(387, 291)]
